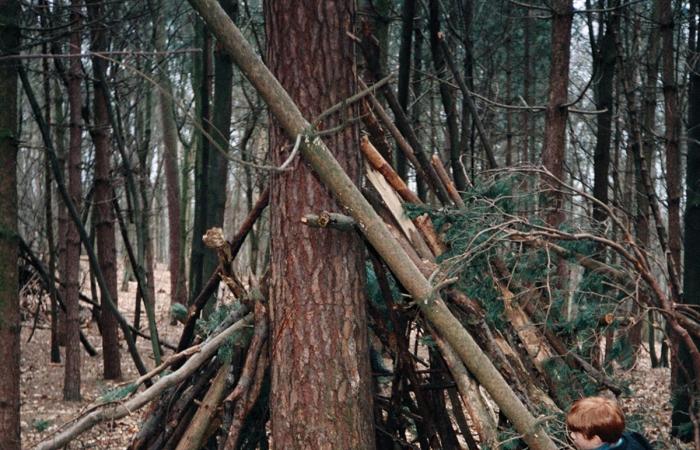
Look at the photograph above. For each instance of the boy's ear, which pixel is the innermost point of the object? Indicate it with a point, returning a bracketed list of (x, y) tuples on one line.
[(596, 440)]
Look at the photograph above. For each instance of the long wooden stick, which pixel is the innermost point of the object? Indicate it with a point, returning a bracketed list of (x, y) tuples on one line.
[(370, 224)]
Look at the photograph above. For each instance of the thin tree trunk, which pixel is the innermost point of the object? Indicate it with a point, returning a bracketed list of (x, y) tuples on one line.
[(71, 382), (50, 241), (556, 113), (217, 172), (106, 244), (447, 94), (202, 85), (9, 289), (672, 122), (527, 82), (604, 68), (407, 18), (319, 348), (178, 292)]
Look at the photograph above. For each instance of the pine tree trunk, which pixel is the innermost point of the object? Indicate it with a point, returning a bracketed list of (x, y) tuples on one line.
[(9, 289), (71, 382), (106, 243), (320, 366)]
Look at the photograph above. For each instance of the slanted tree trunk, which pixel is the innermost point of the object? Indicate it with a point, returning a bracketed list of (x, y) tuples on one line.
[(320, 362), (106, 245), (71, 382), (9, 289), (178, 292), (685, 405)]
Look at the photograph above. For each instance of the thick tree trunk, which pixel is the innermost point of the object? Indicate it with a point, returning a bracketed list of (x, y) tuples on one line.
[(9, 289), (178, 292), (106, 245), (320, 360), (71, 382)]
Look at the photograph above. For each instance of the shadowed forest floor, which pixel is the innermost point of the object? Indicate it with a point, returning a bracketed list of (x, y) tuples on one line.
[(43, 408)]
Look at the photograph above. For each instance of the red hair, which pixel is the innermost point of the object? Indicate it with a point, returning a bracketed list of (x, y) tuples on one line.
[(596, 416)]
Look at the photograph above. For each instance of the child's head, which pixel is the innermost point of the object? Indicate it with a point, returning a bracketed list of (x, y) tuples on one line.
[(593, 421)]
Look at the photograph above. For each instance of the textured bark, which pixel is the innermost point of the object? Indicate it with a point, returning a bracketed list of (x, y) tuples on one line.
[(71, 382), (556, 113), (9, 289), (176, 263), (106, 245), (320, 367)]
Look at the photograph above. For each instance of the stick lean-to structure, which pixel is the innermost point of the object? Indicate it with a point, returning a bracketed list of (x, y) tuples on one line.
[(370, 224)]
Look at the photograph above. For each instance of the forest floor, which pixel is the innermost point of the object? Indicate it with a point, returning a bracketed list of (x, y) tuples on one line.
[(44, 411)]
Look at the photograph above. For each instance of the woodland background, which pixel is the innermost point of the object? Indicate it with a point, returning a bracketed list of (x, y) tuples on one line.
[(430, 224)]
